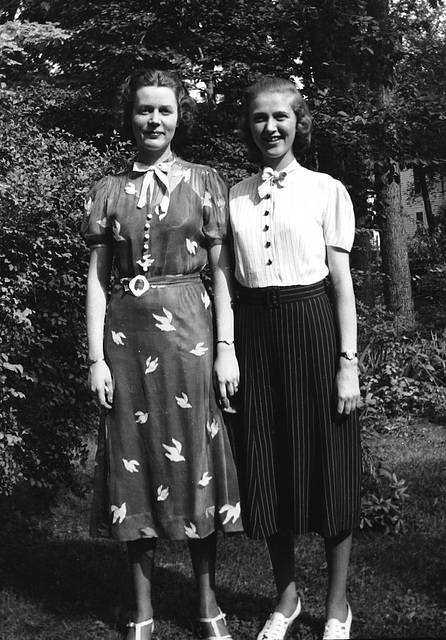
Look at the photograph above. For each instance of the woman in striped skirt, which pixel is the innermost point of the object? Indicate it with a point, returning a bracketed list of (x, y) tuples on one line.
[(299, 448)]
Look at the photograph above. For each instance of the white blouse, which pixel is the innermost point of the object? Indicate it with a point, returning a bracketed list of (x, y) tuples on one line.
[(281, 239)]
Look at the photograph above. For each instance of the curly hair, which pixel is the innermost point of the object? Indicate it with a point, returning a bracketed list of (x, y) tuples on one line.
[(272, 84), (158, 78)]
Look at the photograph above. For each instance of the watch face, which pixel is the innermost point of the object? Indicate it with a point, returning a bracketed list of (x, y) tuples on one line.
[(349, 354)]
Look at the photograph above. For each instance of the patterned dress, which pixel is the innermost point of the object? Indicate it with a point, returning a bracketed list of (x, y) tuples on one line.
[(164, 463)]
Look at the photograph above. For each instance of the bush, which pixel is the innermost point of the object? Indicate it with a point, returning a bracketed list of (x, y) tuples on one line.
[(45, 409)]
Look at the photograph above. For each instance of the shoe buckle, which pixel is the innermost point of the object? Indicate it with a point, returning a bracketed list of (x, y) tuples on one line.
[(139, 285)]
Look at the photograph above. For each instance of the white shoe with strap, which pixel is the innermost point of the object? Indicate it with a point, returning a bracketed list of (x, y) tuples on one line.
[(336, 630), (214, 627), (276, 626), (139, 625)]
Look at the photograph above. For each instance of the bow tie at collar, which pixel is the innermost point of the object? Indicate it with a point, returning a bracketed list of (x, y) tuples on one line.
[(159, 170), (271, 178)]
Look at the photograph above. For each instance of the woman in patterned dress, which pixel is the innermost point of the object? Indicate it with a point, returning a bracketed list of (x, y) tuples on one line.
[(300, 438), (164, 465)]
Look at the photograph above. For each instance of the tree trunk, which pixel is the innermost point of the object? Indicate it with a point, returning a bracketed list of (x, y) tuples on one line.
[(420, 175), (395, 260), (362, 260)]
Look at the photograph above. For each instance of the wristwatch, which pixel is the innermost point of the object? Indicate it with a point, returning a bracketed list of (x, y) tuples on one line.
[(349, 354)]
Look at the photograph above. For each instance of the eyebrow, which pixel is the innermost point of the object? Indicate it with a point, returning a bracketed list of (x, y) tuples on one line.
[(275, 113)]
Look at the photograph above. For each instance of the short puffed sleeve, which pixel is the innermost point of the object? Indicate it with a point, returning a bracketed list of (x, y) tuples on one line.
[(215, 207), (339, 217), (95, 227)]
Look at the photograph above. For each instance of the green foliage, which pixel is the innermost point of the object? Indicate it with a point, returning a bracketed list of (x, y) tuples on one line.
[(400, 374), (44, 406)]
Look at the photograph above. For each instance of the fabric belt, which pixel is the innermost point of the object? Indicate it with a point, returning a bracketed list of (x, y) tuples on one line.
[(275, 296), (141, 283)]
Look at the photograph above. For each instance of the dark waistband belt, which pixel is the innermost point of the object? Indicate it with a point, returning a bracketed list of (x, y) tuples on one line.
[(275, 296), (141, 283)]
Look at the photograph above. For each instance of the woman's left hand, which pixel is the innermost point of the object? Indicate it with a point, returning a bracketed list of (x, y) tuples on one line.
[(226, 374), (348, 395)]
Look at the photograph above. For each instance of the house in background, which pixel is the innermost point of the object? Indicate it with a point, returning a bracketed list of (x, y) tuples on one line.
[(414, 209)]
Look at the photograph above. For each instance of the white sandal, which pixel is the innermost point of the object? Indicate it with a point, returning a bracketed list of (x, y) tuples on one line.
[(139, 625), (215, 630)]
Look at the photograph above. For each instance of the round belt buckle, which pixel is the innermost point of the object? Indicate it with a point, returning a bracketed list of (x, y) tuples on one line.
[(139, 285)]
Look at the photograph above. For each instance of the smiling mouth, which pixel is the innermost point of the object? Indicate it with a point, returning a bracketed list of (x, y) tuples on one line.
[(272, 139)]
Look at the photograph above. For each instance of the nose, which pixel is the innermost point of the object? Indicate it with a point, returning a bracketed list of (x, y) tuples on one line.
[(270, 124), (154, 117)]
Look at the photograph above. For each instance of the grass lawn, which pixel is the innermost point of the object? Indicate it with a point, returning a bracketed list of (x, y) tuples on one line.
[(57, 583)]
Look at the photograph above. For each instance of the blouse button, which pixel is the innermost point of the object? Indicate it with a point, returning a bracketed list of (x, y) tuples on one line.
[(266, 213), (267, 245), (268, 196), (147, 225), (146, 236), (149, 217), (265, 228), (269, 262), (146, 246)]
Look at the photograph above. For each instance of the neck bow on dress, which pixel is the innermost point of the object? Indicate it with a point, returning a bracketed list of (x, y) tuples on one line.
[(159, 170), (269, 179)]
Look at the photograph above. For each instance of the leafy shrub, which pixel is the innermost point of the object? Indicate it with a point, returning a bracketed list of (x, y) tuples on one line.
[(44, 406), (400, 375)]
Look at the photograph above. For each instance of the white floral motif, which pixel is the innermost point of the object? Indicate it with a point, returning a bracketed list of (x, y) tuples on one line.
[(116, 231), (191, 246), (146, 261), (183, 402), (212, 428), (151, 365), (141, 417), (207, 200), (232, 512), (149, 532), (205, 479), (119, 513), (163, 493), (210, 511), (103, 223), (87, 205), (164, 322), (191, 531), (174, 453), (199, 349), (118, 337), (130, 188), (186, 175), (206, 299), (131, 465)]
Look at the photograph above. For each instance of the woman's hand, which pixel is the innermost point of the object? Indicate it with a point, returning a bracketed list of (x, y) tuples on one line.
[(226, 374), (348, 394), (101, 383)]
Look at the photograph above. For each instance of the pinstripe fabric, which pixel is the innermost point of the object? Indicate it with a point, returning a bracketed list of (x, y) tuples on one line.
[(300, 467)]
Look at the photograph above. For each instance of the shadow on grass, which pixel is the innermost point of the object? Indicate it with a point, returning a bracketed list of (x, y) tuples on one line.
[(77, 579)]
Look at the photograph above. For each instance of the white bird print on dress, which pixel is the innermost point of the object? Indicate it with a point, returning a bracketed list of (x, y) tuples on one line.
[(174, 453), (164, 322)]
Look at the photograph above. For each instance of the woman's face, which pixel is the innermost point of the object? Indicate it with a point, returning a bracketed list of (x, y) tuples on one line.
[(273, 126), (154, 122)]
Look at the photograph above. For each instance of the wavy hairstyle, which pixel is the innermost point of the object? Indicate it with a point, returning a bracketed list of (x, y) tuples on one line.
[(158, 78), (272, 84)]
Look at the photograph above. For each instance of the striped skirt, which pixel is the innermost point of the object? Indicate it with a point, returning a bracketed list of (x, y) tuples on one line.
[(300, 465)]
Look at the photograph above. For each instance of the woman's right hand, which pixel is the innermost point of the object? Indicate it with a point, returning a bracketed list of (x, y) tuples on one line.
[(101, 383)]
